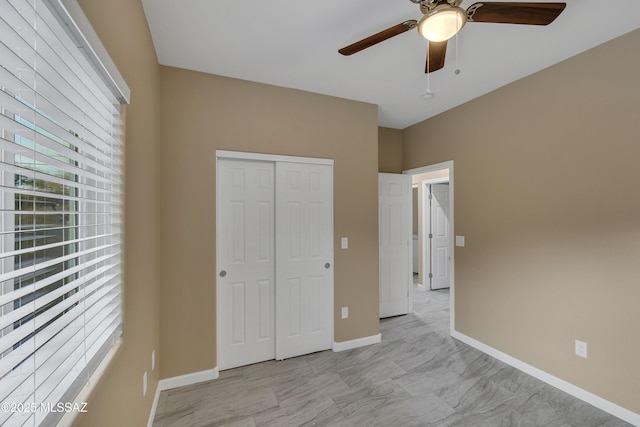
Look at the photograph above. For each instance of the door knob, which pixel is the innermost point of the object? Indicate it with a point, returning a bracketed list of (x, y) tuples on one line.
[(327, 265), (223, 273)]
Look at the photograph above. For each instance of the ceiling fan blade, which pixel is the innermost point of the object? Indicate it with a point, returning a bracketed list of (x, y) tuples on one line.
[(515, 13), (378, 37), (436, 52)]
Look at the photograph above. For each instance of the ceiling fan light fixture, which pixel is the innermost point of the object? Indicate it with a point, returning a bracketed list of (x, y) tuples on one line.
[(442, 23)]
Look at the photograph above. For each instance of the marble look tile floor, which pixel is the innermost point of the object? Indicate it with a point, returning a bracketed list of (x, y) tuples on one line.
[(417, 376)]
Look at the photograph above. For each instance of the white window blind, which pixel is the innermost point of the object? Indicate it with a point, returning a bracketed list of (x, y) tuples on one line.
[(60, 213)]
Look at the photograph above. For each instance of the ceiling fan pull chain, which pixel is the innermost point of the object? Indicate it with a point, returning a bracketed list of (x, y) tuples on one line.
[(457, 70), (428, 60), (427, 93)]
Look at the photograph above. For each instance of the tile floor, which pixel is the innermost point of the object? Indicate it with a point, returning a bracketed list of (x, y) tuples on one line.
[(417, 376)]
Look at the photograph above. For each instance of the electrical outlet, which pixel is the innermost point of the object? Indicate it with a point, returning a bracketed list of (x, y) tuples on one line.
[(581, 349), (345, 312), (144, 384), (153, 360)]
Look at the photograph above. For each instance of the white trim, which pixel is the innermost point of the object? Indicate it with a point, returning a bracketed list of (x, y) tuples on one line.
[(452, 292), (573, 390), (188, 379), (430, 168), (443, 180), (358, 342), (241, 155), (72, 17), (180, 381), (154, 406), (332, 270), (217, 289)]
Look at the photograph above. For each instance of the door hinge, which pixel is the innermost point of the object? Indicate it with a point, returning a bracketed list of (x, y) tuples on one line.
[(430, 236), (430, 275), (430, 196)]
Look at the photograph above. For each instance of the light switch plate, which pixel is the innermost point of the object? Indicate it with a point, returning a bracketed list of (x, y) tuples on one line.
[(345, 312), (345, 242), (581, 348), (460, 241)]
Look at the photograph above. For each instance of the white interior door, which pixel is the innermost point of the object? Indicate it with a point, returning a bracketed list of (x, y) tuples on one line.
[(304, 272), (246, 261), (395, 241), (441, 241)]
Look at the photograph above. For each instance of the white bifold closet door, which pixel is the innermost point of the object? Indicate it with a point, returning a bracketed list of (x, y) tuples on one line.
[(275, 255)]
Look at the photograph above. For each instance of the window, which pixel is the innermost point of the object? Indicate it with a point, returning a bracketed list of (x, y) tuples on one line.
[(60, 211)]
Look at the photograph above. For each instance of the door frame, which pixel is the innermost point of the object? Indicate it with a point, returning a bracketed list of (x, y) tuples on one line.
[(241, 155), (433, 168)]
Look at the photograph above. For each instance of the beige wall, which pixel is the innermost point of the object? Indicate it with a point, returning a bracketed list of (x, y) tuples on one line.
[(389, 150), (117, 400), (546, 194), (202, 113)]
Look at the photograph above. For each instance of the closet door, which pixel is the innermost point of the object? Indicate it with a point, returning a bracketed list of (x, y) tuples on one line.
[(304, 254), (246, 262)]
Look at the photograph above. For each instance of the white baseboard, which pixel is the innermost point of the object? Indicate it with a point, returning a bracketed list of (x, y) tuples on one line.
[(154, 407), (575, 391), (180, 381), (188, 379), (358, 342)]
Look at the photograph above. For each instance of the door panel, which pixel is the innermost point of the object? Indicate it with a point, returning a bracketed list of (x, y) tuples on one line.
[(441, 251), (304, 250), (238, 303), (395, 241), (246, 254)]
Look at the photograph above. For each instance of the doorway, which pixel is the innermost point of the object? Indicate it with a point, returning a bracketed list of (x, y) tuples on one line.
[(427, 176), (274, 246)]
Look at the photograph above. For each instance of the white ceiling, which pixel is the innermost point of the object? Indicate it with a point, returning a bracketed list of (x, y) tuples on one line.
[(294, 44)]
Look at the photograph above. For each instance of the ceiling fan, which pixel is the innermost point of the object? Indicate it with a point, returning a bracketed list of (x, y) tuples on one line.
[(444, 18)]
